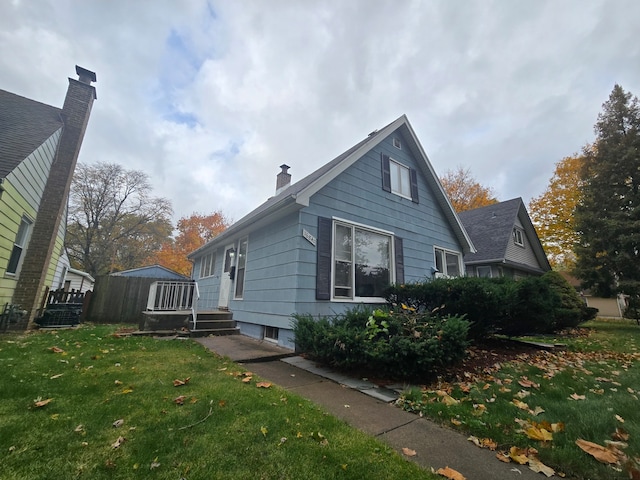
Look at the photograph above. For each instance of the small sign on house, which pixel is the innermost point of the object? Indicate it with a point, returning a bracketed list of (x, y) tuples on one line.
[(310, 238)]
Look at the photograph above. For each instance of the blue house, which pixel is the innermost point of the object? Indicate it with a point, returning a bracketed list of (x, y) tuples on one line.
[(373, 216)]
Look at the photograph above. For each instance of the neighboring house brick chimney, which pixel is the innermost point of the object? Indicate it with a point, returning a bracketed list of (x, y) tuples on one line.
[(75, 116), (283, 179)]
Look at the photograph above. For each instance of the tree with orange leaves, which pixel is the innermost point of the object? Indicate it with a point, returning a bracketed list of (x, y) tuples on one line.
[(552, 213), (464, 191), (193, 232)]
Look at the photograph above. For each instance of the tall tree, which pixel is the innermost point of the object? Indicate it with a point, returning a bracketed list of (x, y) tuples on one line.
[(114, 223), (552, 213), (608, 217), (464, 191), (193, 232)]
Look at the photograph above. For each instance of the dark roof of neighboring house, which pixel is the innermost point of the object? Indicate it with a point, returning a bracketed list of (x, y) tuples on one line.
[(24, 125), (151, 271), (491, 227), (300, 192)]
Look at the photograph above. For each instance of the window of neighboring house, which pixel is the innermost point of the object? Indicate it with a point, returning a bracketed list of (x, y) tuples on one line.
[(271, 333), (241, 267), (207, 265), (19, 245), (362, 260), (448, 262), (518, 236), (484, 272)]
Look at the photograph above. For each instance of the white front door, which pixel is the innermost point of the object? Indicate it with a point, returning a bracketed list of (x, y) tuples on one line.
[(225, 277)]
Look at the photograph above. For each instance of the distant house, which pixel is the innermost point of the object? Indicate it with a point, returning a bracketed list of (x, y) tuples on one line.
[(152, 271), (506, 242), (78, 280), (39, 146), (373, 216)]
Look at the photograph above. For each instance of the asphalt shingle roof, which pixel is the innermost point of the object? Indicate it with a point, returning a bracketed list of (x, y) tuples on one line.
[(490, 229), (24, 125)]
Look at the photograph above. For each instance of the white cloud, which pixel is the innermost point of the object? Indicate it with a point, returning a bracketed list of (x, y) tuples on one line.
[(209, 98)]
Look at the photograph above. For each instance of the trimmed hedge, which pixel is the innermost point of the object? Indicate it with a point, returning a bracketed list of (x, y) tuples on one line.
[(499, 305), (403, 343)]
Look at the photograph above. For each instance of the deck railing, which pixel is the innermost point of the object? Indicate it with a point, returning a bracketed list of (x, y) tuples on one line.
[(171, 296)]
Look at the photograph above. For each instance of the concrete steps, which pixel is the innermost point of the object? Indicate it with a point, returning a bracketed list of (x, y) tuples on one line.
[(214, 322)]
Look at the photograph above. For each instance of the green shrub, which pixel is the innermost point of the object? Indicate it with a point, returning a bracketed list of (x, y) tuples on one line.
[(531, 307), (403, 343), (572, 310)]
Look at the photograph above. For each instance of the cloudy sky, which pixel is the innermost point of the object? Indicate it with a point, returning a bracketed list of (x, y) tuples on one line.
[(210, 97)]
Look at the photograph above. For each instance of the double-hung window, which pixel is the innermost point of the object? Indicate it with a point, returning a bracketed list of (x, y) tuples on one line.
[(448, 262), (362, 261), (19, 245), (400, 180), (207, 265)]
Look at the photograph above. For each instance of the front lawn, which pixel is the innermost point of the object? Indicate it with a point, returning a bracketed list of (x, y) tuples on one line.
[(546, 401), (88, 403)]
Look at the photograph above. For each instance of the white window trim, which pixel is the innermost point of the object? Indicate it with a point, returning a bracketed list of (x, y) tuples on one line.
[(392, 262), (484, 266), (518, 232), (397, 143), (212, 263), (453, 252), (407, 169), (271, 339), (25, 243)]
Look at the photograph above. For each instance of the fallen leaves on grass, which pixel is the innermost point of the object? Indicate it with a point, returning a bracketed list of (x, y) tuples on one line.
[(263, 384), (39, 403), (55, 349), (600, 453), (450, 473), (179, 400), (118, 442), (178, 383), (264, 430), (118, 423)]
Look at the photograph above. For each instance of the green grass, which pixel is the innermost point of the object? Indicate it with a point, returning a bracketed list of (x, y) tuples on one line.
[(225, 429), (603, 366)]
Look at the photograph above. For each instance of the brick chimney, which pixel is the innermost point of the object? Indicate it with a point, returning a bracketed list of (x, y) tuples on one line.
[(75, 116), (283, 179)]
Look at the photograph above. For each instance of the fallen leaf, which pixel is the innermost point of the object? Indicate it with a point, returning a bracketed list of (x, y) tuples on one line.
[(127, 390), (56, 376), (456, 422), (539, 467), (178, 383), (118, 442), (222, 403), (620, 434), (540, 434), (526, 383), (575, 396), (599, 452), (263, 384), (118, 423), (619, 418), (246, 379), (79, 428), (518, 455), (264, 430), (179, 400), (118, 382), (41, 403), (449, 400), (55, 349), (450, 473), (408, 452), (154, 464), (503, 457)]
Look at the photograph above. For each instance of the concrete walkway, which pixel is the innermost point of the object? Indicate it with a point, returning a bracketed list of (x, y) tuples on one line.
[(367, 407)]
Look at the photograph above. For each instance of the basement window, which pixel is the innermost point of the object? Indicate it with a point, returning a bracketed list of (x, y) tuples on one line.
[(271, 333)]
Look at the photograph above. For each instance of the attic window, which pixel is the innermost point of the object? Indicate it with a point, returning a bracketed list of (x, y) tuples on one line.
[(397, 143), (518, 237)]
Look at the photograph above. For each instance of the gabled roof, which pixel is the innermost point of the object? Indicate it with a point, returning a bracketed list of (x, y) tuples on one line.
[(24, 125), (80, 273), (491, 230), (151, 271), (298, 194)]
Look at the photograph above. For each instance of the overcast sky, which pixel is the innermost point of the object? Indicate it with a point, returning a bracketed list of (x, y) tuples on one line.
[(209, 98)]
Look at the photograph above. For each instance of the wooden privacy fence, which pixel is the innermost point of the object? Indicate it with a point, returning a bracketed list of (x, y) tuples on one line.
[(119, 299)]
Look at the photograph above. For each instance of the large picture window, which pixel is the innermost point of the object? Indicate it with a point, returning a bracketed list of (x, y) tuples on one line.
[(362, 261), (18, 246), (448, 262)]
